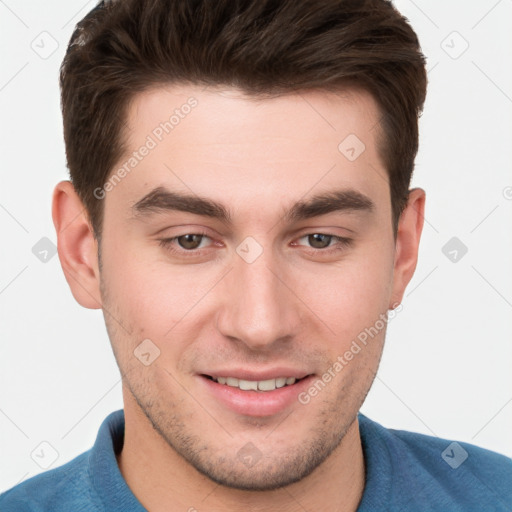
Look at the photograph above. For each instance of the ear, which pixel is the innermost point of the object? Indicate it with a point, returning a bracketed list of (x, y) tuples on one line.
[(407, 244), (76, 245)]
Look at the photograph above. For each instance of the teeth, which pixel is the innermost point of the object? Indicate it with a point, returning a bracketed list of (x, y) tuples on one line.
[(246, 385), (267, 385), (280, 382), (260, 385)]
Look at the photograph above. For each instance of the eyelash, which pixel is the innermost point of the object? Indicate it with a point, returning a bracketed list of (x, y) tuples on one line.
[(167, 243)]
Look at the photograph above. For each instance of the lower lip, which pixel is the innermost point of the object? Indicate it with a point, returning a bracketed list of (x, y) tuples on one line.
[(256, 403)]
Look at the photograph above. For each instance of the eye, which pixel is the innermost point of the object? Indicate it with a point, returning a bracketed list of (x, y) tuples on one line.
[(189, 242), (322, 241)]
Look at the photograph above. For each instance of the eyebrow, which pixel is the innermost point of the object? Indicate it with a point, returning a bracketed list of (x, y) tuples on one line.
[(161, 200)]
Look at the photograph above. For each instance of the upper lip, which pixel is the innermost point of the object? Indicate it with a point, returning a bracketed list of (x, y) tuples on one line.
[(245, 374)]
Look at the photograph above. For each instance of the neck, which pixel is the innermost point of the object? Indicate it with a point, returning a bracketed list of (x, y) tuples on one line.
[(162, 480)]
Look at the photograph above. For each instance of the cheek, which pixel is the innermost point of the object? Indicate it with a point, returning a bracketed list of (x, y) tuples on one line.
[(158, 300), (351, 295)]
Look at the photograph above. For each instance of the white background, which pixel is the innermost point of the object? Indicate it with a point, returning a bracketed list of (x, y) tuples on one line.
[(447, 364)]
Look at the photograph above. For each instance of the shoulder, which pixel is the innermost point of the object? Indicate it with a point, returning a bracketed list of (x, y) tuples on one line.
[(91, 482), (438, 474), (60, 489)]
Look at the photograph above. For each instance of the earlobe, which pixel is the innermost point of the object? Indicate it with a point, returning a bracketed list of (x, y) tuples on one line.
[(408, 237), (76, 245)]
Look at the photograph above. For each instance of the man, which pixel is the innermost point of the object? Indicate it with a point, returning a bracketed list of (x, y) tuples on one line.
[(239, 207)]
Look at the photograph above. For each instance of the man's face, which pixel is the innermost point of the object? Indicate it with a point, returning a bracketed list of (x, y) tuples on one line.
[(260, 297)]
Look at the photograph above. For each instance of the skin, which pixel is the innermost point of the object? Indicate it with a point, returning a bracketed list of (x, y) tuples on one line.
[(292, 306)]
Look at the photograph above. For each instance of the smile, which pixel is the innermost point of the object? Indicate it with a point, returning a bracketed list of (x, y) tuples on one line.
[(256, 385), (264, 396)]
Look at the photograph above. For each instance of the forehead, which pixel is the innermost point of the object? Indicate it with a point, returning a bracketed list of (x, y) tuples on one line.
[(247, 151), (308, 115)]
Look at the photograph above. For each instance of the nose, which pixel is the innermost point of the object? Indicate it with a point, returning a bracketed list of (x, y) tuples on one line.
[(259, 308)]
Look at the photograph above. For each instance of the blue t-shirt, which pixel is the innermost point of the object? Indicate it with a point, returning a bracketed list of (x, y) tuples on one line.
[(405, 472)]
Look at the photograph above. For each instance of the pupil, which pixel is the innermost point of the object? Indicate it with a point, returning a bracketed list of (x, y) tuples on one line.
[(190, 243), (317, 238)]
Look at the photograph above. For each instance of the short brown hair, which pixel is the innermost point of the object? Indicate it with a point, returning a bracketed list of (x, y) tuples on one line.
[(261, 47)]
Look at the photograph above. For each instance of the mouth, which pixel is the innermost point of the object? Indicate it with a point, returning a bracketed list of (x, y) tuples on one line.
[(255, 385), (255, 395)]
